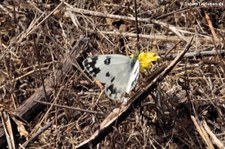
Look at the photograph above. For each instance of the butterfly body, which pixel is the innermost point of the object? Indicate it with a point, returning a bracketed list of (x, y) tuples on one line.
[(119, 73)]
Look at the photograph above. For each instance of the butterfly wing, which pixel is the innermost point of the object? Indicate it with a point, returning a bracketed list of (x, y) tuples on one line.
[(115, 71), (105, 67)]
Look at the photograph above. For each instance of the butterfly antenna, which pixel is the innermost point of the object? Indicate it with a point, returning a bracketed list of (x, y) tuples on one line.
[(136, 25)]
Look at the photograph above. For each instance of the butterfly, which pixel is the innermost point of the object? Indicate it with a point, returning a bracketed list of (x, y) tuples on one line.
[(118, 72)]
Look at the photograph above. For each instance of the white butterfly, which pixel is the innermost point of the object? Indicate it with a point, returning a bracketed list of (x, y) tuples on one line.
[(119, 73)]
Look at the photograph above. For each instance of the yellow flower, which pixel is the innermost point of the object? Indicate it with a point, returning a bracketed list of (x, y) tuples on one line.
[(146, 59)]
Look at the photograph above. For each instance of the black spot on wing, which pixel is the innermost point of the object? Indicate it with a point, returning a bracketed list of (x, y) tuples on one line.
[(107, 74), (107, 61), (111, 90), (112, 79), (90, 66)]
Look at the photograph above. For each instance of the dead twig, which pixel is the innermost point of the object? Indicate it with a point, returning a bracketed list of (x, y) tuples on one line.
[(100, 14), (202, 133), (214, 36), (70, 108), (41, 130)]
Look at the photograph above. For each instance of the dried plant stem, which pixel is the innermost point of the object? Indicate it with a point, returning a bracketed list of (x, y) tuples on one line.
[(177, 31)]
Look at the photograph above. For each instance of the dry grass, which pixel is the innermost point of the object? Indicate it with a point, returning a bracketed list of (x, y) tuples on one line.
[(185, 111)]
